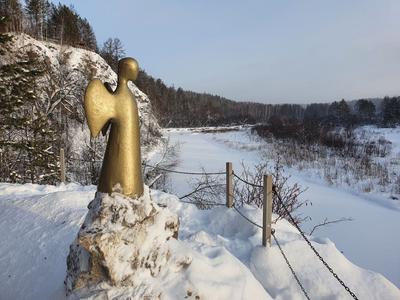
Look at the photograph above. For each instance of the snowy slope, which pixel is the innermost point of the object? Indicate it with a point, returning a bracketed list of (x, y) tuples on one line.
[(38, 223), (368, 241)]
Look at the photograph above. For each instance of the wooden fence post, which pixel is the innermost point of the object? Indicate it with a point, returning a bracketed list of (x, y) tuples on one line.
[(267, 210), (62, 165), (229, 185)]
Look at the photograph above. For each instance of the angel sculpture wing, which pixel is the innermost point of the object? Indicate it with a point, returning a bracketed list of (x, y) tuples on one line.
[(99, 106), (121, 170)]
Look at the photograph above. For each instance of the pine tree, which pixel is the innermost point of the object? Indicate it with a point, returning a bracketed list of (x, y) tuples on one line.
[(64, 24), (87, 36), (27, 139), (37, 12), (339, 114), (365, 110), (12, 11), (391, 111)]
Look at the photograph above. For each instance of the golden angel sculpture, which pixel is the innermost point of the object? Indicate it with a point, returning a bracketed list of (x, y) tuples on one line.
[(121, 169)]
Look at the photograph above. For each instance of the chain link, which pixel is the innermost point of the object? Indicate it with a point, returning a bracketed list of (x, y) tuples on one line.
[(283, 254), (246, 182), (240, 213), (313, 249), (182, 172), (290, 266)]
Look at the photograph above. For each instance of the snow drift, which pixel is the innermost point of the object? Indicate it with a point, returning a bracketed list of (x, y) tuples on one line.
[(218, 251)]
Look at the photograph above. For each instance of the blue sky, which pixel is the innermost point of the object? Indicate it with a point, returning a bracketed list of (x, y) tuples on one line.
[(267, 51)]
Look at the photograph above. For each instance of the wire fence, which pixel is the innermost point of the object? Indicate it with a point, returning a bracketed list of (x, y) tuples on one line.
[(236, 209), (276, 193), (183, 172)]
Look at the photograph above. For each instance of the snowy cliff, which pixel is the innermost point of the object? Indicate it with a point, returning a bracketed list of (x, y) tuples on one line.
[(66, 71)]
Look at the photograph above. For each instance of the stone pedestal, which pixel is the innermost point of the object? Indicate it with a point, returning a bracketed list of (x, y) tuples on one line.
[(122, 242)]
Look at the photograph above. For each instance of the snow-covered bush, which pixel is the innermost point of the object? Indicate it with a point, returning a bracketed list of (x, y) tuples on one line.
[(210, 190), (358, 158), (285, 197)]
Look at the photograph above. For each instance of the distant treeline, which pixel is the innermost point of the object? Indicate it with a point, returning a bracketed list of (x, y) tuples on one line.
[(322, 123), (180, 108)]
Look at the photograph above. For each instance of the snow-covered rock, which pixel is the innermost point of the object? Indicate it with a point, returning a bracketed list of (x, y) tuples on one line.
[(127, 248), (121, 243)]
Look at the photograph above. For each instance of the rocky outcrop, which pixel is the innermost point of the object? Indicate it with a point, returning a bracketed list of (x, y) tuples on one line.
[(68, 69), (122, 243)]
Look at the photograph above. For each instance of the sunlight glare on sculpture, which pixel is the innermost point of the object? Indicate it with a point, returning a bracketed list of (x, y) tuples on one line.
[(118, 110)]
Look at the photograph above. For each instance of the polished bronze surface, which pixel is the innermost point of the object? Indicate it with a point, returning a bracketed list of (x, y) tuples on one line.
[(121, 169)]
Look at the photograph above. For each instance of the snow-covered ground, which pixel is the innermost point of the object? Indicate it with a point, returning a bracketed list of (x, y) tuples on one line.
[(38, 223), (370, 240)]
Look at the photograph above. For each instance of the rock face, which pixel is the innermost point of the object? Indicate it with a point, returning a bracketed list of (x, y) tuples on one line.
[(122, 242)]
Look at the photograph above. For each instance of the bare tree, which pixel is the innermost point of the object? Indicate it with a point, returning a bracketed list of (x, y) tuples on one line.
[(154, 174), (285, 198), (112, 51), (208, 191), (328, 222), (63, 89)]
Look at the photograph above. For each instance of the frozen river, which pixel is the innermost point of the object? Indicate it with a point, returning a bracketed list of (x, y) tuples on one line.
[(370, 240)]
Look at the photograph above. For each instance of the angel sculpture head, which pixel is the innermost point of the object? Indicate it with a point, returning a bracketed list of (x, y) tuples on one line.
[(104, 108)]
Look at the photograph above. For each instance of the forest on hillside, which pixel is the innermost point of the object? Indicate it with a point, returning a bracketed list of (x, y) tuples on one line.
[(41, 102), (46, 21), (181, 108)]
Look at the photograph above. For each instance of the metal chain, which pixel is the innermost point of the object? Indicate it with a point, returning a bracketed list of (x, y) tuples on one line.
[(182, 172), (313, 249), (290, 267), (206, 203), (283, 254), (238, 211), (246, 182)]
